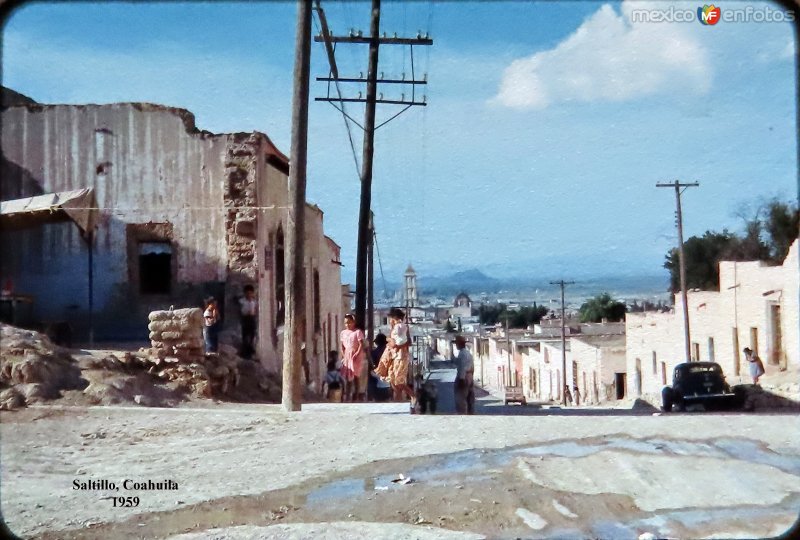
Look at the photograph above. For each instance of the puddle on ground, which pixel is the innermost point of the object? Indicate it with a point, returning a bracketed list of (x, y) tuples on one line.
[(442, 469), (340, 489), (755, 452)]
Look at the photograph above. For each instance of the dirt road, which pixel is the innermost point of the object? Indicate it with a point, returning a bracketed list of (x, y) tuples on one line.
[(610, 475)]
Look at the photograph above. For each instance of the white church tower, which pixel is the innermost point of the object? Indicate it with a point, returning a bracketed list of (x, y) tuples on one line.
[(410, 296)]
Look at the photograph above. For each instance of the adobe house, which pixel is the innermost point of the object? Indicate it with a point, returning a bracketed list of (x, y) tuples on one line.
[(756, 306), (183, 214)]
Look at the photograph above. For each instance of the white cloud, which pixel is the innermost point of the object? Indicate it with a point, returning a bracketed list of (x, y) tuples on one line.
[(609, 58)]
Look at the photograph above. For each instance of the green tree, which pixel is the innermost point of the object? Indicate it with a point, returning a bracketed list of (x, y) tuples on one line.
[(768, 234), (702, 254), (448, 326), (520, 318), (602, 306), (782, 224)]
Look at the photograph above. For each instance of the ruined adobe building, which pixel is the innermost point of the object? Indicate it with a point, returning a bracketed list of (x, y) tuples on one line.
[(184, 213)]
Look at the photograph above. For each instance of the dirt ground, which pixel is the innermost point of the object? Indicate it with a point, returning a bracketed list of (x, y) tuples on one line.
[(246, 471)]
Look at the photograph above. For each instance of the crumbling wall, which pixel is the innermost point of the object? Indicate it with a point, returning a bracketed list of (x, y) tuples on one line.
[(157, 169), (240, 201)]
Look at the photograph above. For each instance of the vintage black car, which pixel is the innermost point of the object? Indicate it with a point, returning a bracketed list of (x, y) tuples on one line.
[(700, 383)]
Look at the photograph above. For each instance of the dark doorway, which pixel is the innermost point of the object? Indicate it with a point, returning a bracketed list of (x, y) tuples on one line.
[(155, 268), (280, 280), (619, 380), (776, 353)]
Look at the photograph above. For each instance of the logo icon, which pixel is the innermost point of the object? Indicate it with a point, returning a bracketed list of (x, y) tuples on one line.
[(708, 15)]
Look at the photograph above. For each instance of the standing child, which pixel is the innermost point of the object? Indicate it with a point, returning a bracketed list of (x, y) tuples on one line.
[(211, 320), (353, 353)]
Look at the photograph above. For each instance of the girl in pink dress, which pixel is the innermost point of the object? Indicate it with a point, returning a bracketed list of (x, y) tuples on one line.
[(353, 353)]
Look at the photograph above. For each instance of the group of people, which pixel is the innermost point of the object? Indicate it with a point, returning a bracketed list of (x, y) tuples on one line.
[(364, 372), (248, 312), (357, 372)]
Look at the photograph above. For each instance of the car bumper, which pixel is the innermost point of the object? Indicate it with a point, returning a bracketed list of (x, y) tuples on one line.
[(709, 396)]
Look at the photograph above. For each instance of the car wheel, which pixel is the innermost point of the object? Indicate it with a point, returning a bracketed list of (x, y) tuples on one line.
[(740, 397), (666, 399), (679, 404)]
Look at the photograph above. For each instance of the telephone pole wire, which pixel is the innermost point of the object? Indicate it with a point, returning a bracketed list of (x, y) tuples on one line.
[(372, 98), (562, 283), (681, 262)]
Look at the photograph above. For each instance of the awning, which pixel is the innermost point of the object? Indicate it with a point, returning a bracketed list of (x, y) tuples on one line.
[(78, 205)]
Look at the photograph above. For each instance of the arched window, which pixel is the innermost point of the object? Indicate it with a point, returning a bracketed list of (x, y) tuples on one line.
[(280, 279)]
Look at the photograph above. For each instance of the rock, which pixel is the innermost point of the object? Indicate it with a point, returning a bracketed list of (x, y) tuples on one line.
[(11, 399), (141, 399), (35, 392)]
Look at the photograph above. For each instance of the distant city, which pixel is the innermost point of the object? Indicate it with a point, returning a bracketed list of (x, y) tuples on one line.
[(485, 289)]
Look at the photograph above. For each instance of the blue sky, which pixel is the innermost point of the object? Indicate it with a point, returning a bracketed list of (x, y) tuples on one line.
[(547, 128)]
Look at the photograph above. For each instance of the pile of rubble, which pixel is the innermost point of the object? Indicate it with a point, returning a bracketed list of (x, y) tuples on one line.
[(33, 369), (177, 355), (173, 369)]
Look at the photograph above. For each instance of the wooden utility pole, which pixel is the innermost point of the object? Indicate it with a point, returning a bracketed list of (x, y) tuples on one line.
[(562, 283), (295, 230), (371, 283), (508, 346), (686, 334), (372, 98), (366, 165)]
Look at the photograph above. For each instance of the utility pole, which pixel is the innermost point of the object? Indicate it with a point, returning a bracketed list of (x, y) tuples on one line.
[(372, 98), (686, 335), (371, 283), (366, 164), (508, 346), (295, 283), (562, 283)]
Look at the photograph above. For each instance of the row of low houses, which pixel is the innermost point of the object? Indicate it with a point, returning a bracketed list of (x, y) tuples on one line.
[(183, 214), (756, 307), (594, 359)]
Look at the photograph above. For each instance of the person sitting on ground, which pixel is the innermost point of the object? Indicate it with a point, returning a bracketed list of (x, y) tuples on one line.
[(426, 394), (333, 383)]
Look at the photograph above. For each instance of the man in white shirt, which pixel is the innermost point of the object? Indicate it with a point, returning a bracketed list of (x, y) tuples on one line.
[(248, 306), (464, 389)]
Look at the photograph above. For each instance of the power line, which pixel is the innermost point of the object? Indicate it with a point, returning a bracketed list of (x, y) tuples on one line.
[(335, 72), (380, 264)]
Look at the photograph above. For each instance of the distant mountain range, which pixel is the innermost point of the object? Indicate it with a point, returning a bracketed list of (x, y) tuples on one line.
[(474, 282)]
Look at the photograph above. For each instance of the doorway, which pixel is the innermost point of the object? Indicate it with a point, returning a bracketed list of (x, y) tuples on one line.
[(776, 351), (619, 383)]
